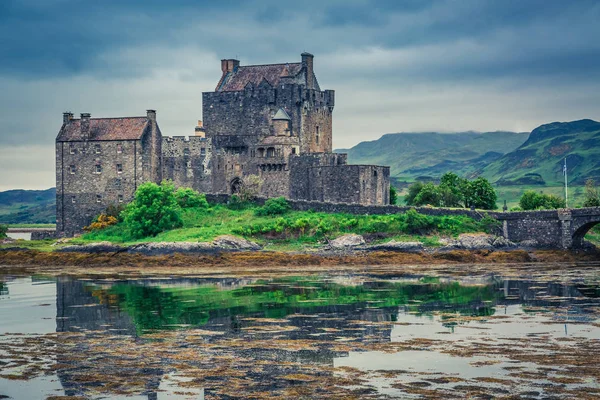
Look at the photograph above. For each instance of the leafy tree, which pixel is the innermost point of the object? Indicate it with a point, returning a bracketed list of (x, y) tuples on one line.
[(189, 198), (413, 191), (393, 195), (452, 190), (591, 196), (3, 230), (153, 210), (428, 195), (479, 193)]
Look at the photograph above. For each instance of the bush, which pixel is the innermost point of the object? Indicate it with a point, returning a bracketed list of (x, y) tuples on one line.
[(3, 230), (429, 195), (115, 211), (418, 223), (103, 221), (189, 198), (277, 206), (490, 225), (591, 197), (413, 191), (153, 210), (393, 195), (531, 200)]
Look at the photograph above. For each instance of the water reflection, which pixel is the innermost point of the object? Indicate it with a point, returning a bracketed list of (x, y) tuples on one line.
[(334, 321)]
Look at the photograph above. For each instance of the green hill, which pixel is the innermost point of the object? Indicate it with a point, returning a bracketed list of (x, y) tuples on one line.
[(28, 206), (539, 161), (427, 155)]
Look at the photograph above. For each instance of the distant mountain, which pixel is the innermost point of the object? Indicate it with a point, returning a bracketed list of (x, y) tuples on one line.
[(28, 206), (428, 155), (540, 159)]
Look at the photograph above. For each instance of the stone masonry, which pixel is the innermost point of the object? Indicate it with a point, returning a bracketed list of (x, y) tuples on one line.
[(273, 121)]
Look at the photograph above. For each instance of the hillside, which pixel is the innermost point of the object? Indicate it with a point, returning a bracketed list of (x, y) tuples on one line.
[(539, 161), (427, 155), (28, 206)]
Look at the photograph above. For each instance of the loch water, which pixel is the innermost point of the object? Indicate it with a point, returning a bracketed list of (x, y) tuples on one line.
[(326, 335)]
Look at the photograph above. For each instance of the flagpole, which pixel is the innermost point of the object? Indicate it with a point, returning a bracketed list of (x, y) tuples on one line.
[(566, 185)]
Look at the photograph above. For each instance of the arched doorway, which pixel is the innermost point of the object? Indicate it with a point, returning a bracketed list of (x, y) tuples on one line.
[(236, 185)]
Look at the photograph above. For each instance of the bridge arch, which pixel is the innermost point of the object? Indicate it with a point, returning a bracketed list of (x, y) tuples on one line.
[(581, 228)]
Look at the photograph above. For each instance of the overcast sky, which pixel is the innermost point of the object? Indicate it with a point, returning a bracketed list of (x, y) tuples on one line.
[(396, 66)]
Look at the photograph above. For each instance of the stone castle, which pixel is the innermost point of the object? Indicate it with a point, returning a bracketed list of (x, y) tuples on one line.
[(273, 121)]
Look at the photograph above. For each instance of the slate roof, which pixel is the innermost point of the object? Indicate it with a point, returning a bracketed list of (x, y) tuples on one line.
[(282, 115), (128, 128), (237, 80)]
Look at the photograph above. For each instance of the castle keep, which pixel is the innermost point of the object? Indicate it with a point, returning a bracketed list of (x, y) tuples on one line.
[(273, 121)]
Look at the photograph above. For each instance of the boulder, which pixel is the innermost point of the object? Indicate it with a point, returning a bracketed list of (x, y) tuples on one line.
[(229, 242), (347, 241), (100, 247), (500, 242), (407, 247)]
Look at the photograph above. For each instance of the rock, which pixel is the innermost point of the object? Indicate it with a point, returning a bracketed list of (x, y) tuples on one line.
[(500, 242), (476, 242), (165, 248), (100, 247), (529, 243), (229, 242), (347, 241), (407, 247)]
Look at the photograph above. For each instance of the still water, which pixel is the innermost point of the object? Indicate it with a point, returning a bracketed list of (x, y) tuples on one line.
[(315, 336)]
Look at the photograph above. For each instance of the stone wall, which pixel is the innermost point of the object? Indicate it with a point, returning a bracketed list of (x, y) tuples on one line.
[(187, 162)]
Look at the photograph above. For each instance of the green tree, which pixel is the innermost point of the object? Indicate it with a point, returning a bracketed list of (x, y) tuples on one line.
[(531, 200), (189, 198), (429, 195), (452, 189), (154, 209), (479, 193), (591, 196), (3, 230), (277, 206), (393, 195), (413, 191)]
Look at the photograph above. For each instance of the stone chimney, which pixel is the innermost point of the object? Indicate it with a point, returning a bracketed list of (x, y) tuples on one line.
[(229, 65), (67, 117), (85, 125), (307, 62), (151, 114)]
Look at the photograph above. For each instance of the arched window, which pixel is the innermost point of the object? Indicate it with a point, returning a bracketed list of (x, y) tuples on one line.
[(271, 152)]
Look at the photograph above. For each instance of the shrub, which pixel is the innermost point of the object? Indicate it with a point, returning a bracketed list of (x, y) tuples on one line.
[(531, 200), (189, 198), (115, 211), (103, 221), (591, 196), (3, 230), (429, 195), (277, 206), (153, 210), (490, 225), (418, 223), (393, 195), (413, 191)]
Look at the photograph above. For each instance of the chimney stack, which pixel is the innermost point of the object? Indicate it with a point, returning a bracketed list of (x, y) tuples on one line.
[(151, 114), (67, 117), (85, 125), (229, 65), (307, 62)]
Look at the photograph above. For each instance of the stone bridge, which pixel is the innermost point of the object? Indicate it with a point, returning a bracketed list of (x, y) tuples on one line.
[(564, 228)]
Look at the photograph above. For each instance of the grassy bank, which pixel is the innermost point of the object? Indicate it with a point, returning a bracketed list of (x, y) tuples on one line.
[(297, 230)]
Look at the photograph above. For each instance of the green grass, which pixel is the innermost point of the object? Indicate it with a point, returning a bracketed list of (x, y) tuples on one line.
[(295, 230), (45, 226)]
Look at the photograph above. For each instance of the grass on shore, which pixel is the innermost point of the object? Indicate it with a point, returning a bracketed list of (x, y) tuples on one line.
[(44, 226), (295, 230)]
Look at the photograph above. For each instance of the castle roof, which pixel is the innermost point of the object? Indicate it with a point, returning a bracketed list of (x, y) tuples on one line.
[(241, 76), (127, 128), (282, 115)]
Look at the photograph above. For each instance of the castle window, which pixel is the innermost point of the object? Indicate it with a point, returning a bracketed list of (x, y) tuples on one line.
[(375, 174), (120, 198), (98, 198), (317, 136), (98, 168), (73, 199), (293, 150), (186, 152), (261, 152), (271, 152), (119, 148), (119, 168), (72, 169), (97, 149), (202, 151), (71, 149)]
